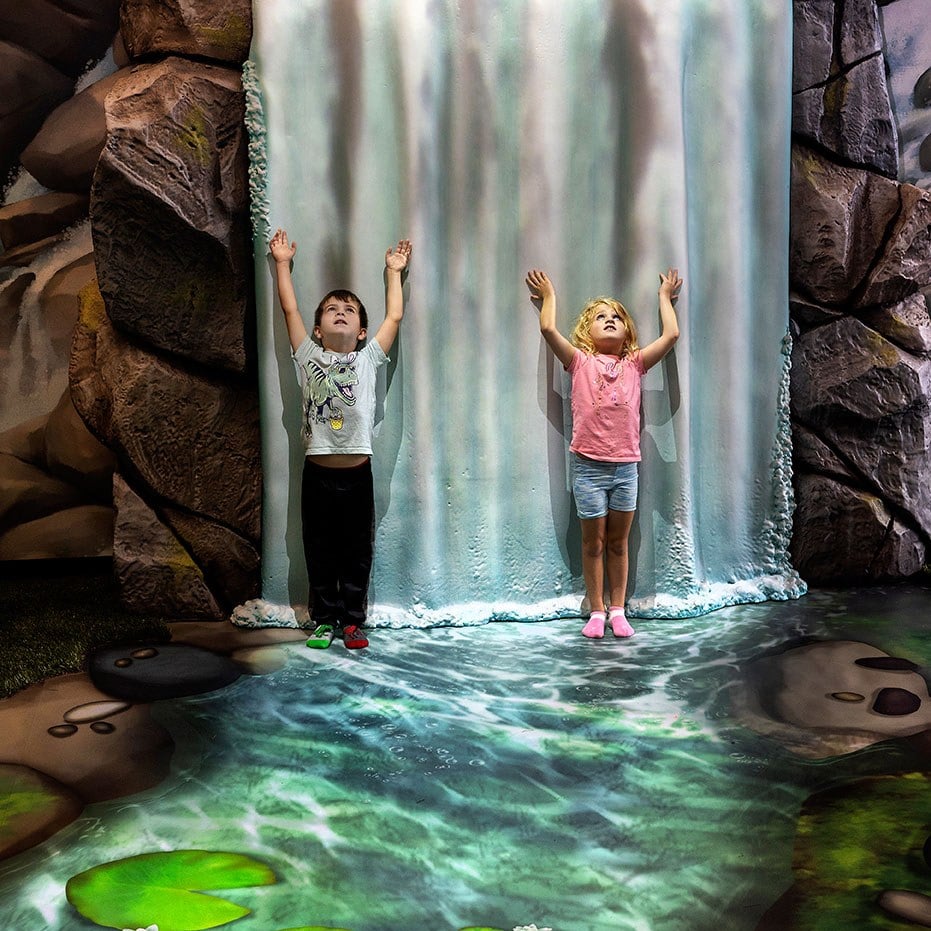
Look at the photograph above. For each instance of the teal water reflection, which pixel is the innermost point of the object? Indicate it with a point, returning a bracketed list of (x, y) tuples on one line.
[(502, 775)]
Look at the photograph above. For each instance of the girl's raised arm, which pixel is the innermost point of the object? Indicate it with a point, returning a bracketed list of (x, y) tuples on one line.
[(669, 285), (543, 294)]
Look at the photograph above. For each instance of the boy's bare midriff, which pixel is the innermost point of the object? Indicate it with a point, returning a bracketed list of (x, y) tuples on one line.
[(339, 460)]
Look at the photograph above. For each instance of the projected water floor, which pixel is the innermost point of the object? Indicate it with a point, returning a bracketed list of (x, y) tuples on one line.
[(517, 774)]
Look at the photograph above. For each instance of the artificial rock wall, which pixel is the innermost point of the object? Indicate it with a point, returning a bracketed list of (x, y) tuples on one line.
[(162, 368), (166, 376), (55, 476), (860, 272)]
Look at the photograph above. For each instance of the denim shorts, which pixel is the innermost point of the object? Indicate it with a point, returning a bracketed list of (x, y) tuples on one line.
[(600, 486)]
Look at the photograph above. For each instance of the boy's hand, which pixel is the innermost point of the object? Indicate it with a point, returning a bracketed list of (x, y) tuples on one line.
[(539, 284), (397, 260), (280, 249), (670, 283)]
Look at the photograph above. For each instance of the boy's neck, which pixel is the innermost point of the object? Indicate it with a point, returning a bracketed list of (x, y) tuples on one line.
[(336, 345)]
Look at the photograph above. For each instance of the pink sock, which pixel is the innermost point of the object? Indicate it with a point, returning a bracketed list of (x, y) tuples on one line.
[(619, 623), (595, 628)]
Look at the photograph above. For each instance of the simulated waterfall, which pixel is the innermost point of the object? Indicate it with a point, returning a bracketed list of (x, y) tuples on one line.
[(601, 142)]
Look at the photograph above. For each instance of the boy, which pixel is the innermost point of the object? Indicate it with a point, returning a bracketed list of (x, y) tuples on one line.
[(337, 376)]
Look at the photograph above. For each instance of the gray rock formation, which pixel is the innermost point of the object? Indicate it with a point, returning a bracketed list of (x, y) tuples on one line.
[(860, 264), (840, 98)]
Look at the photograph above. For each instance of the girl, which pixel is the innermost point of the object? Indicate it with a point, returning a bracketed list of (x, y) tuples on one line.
[(606, 366)]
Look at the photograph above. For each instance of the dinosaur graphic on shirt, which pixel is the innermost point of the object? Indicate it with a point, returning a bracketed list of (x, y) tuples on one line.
[(324, 386)]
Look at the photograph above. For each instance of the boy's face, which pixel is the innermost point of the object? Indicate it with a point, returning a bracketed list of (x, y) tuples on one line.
[(340, 327), (607, 330)]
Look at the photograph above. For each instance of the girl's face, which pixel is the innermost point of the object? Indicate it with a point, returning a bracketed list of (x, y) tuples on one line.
[(607, 331)]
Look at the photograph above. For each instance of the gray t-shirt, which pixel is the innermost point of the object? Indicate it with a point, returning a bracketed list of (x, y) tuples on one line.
[(339, 397)]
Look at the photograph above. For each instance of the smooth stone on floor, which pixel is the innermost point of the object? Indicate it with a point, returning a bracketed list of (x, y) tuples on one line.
[(151, 672), (907, 906)]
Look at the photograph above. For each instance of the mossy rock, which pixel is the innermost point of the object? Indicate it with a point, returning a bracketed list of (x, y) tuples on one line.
[(853, 843), (33, 807)]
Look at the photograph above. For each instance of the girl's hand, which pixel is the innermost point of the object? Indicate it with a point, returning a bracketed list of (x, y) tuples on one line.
[(397, 260), (279, 248), (539, 285), (670, 283)]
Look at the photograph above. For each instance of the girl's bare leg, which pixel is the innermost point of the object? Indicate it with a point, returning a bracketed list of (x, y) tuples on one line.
[(617, 560), (593, 560)]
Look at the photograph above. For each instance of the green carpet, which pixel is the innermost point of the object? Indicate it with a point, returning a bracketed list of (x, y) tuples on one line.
[(53, 612)]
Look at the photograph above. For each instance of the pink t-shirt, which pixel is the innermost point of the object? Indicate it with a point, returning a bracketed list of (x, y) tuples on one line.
[(606, 406)]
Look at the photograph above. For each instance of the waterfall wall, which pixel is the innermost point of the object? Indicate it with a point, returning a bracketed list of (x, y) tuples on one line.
[(601, 141)]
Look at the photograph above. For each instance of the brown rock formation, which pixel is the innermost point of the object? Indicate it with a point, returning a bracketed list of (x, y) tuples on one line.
[(39, 217), (169, 212), (229, 562), (28, 492), (55, 480), (171, 388), (840, 100), (61, 303), (864, 395), (839, 221), (156, 573), (66, 33), (63, 154), (190, 438), (30, 89), (72, 533), (907, 323), (218, 29), (72, 452), (188, 522), (846, 116)]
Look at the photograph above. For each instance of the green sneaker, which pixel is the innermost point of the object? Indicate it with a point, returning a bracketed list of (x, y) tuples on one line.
[(322, 637)]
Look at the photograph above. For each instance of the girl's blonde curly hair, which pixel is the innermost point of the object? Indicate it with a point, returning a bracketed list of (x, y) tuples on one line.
[(580, 337)]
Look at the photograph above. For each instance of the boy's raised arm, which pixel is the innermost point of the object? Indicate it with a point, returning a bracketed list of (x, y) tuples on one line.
[(543, 293), (396, 261), (283, 252)]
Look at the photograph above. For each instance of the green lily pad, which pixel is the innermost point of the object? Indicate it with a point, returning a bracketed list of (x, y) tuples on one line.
[(166, 889), (314, 928)]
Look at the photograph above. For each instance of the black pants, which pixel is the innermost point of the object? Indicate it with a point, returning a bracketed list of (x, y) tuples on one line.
[(338, 517)]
